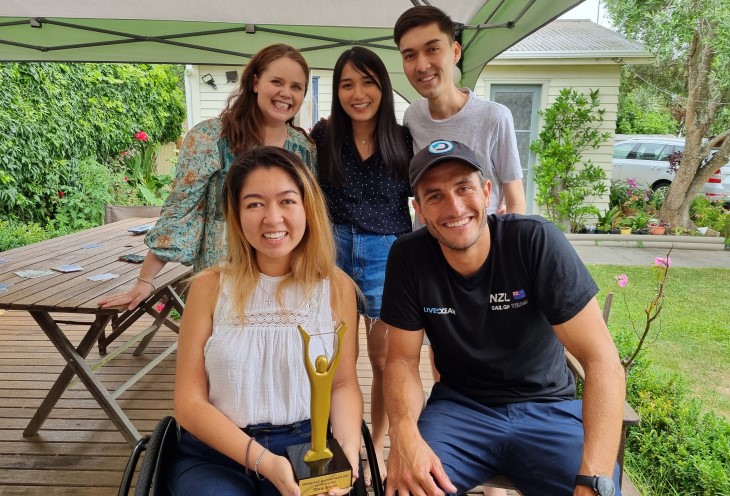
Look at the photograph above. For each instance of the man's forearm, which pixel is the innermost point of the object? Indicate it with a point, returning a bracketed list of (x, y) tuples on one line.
[(603, 405), (403, 391)]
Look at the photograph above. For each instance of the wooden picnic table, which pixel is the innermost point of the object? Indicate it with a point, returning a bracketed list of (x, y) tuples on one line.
[(96, 251)]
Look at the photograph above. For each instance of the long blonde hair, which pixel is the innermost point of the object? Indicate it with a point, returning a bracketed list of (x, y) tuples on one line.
[(313, 259)]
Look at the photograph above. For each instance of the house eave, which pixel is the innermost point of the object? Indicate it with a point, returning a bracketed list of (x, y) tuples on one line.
[(572, 58)]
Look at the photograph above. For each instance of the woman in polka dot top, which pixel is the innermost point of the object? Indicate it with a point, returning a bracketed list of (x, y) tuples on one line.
[(363, 157)]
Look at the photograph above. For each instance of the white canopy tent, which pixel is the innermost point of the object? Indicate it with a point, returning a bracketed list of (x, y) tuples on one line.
[(218, 32)]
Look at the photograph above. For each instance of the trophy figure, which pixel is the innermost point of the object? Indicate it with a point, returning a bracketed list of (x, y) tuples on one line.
[(321, 464)]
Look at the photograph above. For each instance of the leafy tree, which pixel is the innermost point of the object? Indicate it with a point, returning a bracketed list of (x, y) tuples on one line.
[(695, 35), (642, 109), (570, 128)]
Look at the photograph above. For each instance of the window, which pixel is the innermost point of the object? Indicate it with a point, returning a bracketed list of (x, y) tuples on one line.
[(649, 151), (622, 150)]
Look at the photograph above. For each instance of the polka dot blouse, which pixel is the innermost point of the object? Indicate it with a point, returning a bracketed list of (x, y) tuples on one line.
[(371, 198)]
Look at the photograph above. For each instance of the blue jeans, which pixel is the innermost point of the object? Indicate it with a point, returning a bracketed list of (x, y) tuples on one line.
[(200, 470), (537, 445), (363, 255)]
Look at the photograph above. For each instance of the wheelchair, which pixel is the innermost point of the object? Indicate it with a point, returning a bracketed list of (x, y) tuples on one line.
[(160, 447)]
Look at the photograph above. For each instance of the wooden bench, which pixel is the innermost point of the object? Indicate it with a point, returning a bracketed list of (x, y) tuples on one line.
[(630, 418)]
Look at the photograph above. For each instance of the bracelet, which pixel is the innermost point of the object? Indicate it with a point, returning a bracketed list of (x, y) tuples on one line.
[(258, 460), (248, 450), (140, 278)]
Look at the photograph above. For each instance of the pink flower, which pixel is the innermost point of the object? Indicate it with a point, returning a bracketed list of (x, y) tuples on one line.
[(124, 153), (663, 262), (126, 179), (622, 280), (632, 182), (141, 135), (159, 307)]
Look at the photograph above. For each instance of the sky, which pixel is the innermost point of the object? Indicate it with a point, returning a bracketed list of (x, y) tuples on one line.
[(589, 9)]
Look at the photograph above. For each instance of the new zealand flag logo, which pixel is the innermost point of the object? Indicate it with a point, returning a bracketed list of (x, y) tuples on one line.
[(518, 295)]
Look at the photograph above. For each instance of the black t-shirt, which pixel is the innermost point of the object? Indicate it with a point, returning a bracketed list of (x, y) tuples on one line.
[(491, 333)]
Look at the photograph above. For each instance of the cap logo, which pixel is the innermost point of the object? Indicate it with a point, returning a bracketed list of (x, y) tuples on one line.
[(438, 147)]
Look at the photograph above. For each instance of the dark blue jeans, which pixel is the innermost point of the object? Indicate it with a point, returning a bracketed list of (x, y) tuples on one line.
[(200, 470), (537, 445)]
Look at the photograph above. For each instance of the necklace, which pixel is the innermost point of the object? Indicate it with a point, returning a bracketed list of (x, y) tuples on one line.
[(362, 141)]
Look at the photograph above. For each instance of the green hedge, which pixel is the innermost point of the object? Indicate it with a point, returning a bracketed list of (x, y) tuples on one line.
[(679, 448), (53, 116)]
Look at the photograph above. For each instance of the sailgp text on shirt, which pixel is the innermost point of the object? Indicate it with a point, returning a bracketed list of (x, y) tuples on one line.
[(507, 300)]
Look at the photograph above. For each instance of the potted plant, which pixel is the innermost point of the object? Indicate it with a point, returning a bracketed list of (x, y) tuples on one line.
[(640, 222), (625, 224), (607, 220), (657, 227)]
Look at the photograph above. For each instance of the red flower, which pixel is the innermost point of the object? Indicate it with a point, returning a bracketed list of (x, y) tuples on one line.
[(159, 307), (126, 179), (124, 153), (141, 135), (60, 194)]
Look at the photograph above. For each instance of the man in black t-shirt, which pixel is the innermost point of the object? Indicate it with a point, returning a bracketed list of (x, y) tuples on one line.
[(500, 297)]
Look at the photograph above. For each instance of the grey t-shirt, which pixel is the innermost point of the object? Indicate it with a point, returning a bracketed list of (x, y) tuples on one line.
[(484, 126)]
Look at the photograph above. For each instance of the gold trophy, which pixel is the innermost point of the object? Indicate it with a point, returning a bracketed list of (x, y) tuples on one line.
[(320, 465)]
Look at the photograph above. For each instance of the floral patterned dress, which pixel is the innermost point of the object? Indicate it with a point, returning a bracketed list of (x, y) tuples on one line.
[(191, 229)]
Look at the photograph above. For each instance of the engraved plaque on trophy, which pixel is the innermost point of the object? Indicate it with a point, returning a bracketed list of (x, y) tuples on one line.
[(321, 464)]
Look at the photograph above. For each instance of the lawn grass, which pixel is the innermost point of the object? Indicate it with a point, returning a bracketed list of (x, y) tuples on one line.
[(691, 336)]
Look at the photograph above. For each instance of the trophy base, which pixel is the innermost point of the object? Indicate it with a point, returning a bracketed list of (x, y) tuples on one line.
[(319, 476)]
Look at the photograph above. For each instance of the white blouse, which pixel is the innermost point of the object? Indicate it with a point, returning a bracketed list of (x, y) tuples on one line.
[(256, 370)]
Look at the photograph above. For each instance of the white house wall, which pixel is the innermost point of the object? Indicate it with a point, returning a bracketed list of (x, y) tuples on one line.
[(552, 79)]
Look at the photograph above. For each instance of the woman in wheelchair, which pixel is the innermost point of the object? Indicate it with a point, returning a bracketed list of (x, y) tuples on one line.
[(241, 391)]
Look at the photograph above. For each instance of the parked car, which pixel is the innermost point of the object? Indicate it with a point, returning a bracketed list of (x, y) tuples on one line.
[(647, 161)]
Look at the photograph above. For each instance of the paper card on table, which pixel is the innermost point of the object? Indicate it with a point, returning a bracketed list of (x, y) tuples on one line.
[(67, 268), (32, 274), (91, 245), (140, 229), (4, 286), (103, 277)]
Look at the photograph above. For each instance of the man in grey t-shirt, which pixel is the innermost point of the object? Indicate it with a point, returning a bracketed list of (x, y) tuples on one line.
[(425, 38)]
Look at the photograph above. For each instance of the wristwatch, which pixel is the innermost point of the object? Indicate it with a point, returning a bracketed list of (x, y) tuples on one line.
[(600, 483)]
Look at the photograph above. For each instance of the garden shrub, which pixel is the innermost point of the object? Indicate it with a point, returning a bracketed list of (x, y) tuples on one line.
[(14, 234), (706, 213), (678, 448), (81, 201), (52, 116), (564, 182)]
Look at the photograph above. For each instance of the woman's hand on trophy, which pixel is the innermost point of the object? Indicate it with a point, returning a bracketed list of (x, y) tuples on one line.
[(278, 470)]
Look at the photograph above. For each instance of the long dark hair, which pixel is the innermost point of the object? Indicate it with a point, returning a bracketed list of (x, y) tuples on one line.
[(388, 133), (242, 119)]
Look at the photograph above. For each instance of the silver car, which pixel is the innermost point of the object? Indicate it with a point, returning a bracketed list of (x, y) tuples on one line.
[(647, 161)]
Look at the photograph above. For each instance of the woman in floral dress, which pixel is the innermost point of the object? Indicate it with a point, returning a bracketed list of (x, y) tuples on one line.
[(191, 229)]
